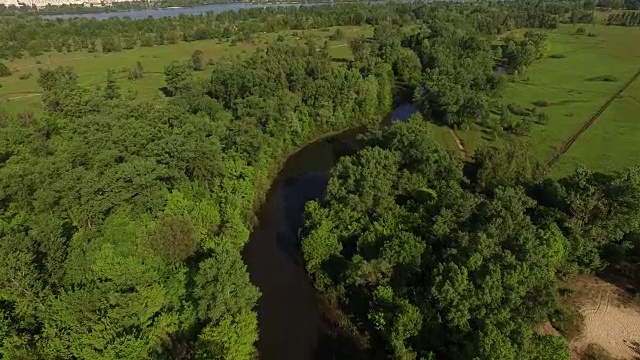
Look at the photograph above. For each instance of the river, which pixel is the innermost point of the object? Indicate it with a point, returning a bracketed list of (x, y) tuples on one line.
[(291, 324), (156, 13), (201, 9)]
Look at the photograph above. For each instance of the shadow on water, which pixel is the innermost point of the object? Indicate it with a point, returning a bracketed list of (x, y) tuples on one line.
[(289, 315), (403, 112)]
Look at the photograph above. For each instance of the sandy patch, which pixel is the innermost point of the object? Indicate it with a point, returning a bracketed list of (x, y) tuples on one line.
[(612, 320)]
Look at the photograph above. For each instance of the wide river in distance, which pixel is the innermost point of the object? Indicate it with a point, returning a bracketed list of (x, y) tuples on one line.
[(157, 13)]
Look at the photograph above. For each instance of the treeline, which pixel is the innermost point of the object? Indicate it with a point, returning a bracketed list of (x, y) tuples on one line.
[(126, 6), (122, 220), (626, 18), (33, 36)]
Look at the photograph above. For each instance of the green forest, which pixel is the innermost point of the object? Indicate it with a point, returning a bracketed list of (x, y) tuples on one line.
[(123, 218)]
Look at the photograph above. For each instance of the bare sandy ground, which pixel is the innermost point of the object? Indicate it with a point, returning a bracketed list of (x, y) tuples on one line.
[(612, 319)]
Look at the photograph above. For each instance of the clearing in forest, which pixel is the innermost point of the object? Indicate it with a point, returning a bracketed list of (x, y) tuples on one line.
[(611, 319)]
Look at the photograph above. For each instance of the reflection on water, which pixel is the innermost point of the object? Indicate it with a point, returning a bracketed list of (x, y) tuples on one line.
[(291, 325)]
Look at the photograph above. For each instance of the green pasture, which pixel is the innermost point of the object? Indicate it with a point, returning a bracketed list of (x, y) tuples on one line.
[(18, 94), (579, 74), (613, 141)]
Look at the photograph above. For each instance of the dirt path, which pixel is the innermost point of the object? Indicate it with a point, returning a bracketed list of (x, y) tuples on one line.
[(463, 152), (572, 139), (53, 62), (22, 96)]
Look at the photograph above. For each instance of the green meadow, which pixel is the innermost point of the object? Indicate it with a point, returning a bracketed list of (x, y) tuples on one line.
[(20, 91), (578, 75)]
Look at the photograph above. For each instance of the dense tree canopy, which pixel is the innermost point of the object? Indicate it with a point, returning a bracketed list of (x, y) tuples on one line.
[(122, 220)]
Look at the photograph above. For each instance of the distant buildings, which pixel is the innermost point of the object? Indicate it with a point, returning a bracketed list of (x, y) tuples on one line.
[(42, 3)]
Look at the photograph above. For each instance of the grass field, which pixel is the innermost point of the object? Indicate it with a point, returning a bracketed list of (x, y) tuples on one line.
[(18, 94), (570, 80)]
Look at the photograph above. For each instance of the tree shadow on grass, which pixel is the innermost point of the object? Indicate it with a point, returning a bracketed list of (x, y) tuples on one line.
[(165, 91), (341, 60), (566, 102)]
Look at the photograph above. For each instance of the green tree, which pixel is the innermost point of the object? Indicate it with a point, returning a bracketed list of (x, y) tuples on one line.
[(197, 60), (112, 89), (176, 75), (136, 72)]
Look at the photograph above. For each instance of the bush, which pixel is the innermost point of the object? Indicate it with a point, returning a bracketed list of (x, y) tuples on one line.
[(542, 118), (38, 62), (337, 35), (280, 38), (541, 103), (605, 78), (518, 110), (197, 60), (136, 72), (25, 76), (580, 31), (592, 35), (4, 70), (569, 322), (596, 352), (557, 56)]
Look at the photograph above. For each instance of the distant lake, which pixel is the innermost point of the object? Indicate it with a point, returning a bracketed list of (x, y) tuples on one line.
[(156, 13)]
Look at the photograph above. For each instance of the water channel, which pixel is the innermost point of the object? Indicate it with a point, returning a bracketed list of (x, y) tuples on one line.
[(291, 324)]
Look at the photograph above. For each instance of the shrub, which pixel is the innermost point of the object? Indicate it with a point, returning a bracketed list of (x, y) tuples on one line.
[(541, 103), (569, 322), (25, 76), (280, 38), (542, 118), (4, 70), (596, 352), (337, 35), (136, 72), (557, 56), (516, 109), (197, 60), (592, 35), (38, 62), (580, 31), (605, 78)]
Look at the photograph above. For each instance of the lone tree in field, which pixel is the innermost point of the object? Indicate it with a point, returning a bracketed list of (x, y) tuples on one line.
[(111, 90), (4, 70), (136, 72), (197, 60)]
